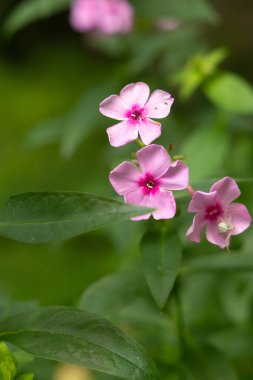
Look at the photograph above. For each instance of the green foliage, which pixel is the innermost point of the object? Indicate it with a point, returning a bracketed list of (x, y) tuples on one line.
[(44, 217), (29, 11), (206, 149), (186, 10), (231, 93), (8, 368), (161, 259), (73, 336), (197, 70)]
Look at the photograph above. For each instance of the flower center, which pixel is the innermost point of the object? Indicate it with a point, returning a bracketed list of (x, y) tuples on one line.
[(136, 114), (213, 212), (150, 184)]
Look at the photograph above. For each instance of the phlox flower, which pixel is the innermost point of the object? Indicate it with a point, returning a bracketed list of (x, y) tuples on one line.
[(151, 183), (215, 211), (105, 16), (133, 107)]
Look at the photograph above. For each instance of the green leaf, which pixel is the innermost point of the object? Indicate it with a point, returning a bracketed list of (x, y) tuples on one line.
[(73, 336), (161, 258), (109, 295), (84, 117), (26, 376), (219, 262), (206, 149), (231, 93), (29, 11), (185, 10), (48, 216), (8, 367), (207, 363), (197, 70)]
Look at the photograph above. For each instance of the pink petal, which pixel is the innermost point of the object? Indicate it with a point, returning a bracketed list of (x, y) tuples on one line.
[(83, 15), (138, 197), (194, 232), (239, 217), (214, 236), (116, 16), (135, 93), (227, 190), (176, 178), (165, 204), (159, 104), (124, 178), (149, 130), (201, 200), (153, 159), (122, 133), (113, 107)]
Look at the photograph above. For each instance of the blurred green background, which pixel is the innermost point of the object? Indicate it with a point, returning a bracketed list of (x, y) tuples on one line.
[(53, 138)]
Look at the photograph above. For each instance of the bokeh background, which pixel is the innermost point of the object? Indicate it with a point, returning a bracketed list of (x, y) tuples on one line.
[(53, 138)]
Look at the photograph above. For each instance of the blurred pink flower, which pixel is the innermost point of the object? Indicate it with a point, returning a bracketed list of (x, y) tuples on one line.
[(215, 211), (134, 107), (151, 185), (105, 16)]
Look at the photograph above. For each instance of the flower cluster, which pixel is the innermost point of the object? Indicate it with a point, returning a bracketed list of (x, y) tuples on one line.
[(152, 178), (107, 17)]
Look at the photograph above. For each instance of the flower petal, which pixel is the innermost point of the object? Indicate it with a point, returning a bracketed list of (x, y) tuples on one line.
[(239, 217), (194, 232), (176, 178), (159, 104), (165, 204), (138, 197), (149, 130), (214, 236), (153, 159), (122, 133), (201, 200), (113, 107), (227, 190), (124, 178), (135, 93)]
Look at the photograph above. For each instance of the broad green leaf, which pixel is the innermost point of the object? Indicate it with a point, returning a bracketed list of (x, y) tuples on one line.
[(48, 216), (112, 293), (219, 262), (161, 258), (206, 149), (231, 93), (8, 367), (29, 11), (26, 376), (73, 336), (124, 299)]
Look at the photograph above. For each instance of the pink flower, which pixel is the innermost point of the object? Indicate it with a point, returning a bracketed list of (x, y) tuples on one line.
[(105, 16), (134, 107), (151, 185), (215, 211)]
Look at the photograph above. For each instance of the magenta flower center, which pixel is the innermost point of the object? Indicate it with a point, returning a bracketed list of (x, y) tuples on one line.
[(213, 212), (148, 184), (136, 114)]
